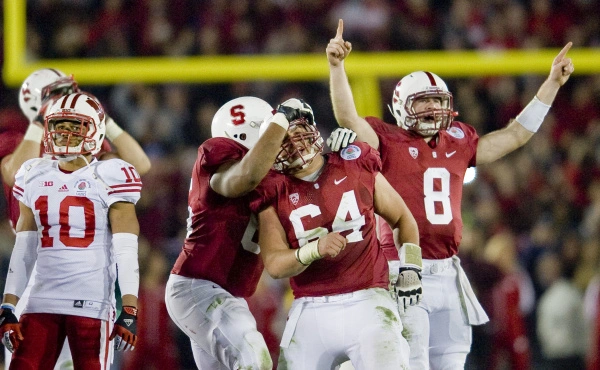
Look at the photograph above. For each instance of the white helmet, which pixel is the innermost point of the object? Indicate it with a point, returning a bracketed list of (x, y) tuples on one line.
[(240, 119), (418, 85), (41, 85), (81, 108)]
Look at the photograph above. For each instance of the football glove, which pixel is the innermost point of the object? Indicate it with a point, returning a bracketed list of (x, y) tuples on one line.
[(408, 287), (340, 138), (124, 331), (10, 328), (294, 109)]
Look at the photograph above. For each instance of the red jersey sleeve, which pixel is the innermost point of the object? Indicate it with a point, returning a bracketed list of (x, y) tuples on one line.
[(216, 151)]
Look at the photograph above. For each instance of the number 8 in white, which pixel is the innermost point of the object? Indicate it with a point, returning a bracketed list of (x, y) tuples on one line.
[(432, 196)]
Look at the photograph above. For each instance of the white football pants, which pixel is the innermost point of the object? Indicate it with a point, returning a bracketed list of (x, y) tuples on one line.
[(220, 326), (437, 329), (363, 327)]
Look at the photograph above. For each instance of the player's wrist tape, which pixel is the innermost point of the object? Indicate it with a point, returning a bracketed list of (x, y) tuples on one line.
[(410, 256), (532, 116), (8, 306), (308, 253), (112, 129), (34, 133), (279, 118)]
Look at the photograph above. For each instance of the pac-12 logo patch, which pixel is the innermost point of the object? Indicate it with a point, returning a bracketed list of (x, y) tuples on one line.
[(350, 153), (414, 152), (456, 132)]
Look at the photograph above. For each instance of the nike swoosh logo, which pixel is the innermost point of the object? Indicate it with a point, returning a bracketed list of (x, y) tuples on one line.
[(337, 182), (448, 155)]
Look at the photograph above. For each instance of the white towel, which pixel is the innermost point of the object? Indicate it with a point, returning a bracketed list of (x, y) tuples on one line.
[(471, 307)]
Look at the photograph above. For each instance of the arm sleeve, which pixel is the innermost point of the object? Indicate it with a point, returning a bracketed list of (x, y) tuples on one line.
[(126, 255), (22, 261)]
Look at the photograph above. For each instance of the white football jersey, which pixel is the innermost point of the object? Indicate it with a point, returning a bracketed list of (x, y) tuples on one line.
[(76, 269)]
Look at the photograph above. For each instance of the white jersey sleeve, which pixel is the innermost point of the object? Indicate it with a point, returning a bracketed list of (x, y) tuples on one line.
[(121, 181), (31, 170)]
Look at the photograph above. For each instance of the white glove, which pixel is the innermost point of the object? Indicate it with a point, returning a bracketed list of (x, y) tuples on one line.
[(340, 138), (408, 287)]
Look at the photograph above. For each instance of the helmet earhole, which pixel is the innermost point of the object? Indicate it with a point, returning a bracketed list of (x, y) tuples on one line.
[(242, 136)]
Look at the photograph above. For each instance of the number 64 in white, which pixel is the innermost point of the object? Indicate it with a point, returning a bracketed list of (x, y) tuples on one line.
[(347, 206)]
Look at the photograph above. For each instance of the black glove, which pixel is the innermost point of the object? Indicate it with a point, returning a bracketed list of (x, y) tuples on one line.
[(340, 138), (125, 328), (408, 287), (10, 328), (294, 109)]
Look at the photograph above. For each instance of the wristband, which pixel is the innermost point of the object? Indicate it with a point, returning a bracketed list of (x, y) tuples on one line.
[(308, 253), (130, 310), (112, 129), (297, 254), (532, 116), (8, 306), (279, 118), (410, 256), (34, 133)]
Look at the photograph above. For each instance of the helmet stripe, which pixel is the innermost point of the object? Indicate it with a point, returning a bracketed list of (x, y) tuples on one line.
[(75, 98), (431, 79), (55, 71)]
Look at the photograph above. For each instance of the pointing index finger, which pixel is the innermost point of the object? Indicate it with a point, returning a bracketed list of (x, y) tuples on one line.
[(340, 29), (564, 51)]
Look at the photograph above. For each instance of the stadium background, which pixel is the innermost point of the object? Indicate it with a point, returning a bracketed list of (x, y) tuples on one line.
[(162, 68)]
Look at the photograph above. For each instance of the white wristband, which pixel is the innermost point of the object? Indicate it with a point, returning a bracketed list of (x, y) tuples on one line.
[(34, 132), (532, 116), (410, 256), (279, 118), (112, 129), (308, 253)]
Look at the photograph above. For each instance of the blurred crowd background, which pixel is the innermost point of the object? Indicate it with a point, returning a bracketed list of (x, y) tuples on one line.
[(531, 243)]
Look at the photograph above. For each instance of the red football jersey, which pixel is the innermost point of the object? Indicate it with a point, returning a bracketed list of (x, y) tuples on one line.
[(220, 245), (341, 199), (9, 140), (430, 180)]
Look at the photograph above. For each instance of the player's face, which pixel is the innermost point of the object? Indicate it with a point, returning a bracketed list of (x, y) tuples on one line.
[(69, 133), (427, 122)]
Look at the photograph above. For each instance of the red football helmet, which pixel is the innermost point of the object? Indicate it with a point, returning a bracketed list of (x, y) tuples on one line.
[(419, 85), (79, 108)]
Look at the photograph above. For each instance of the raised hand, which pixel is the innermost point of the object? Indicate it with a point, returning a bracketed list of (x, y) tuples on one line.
[(562, 66), (338, 49)]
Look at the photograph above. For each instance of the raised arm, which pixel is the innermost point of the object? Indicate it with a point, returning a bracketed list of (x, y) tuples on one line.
[(498, 143), (27, 149), (128, 149), (235, 179), (280, 261), (341, 94)]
